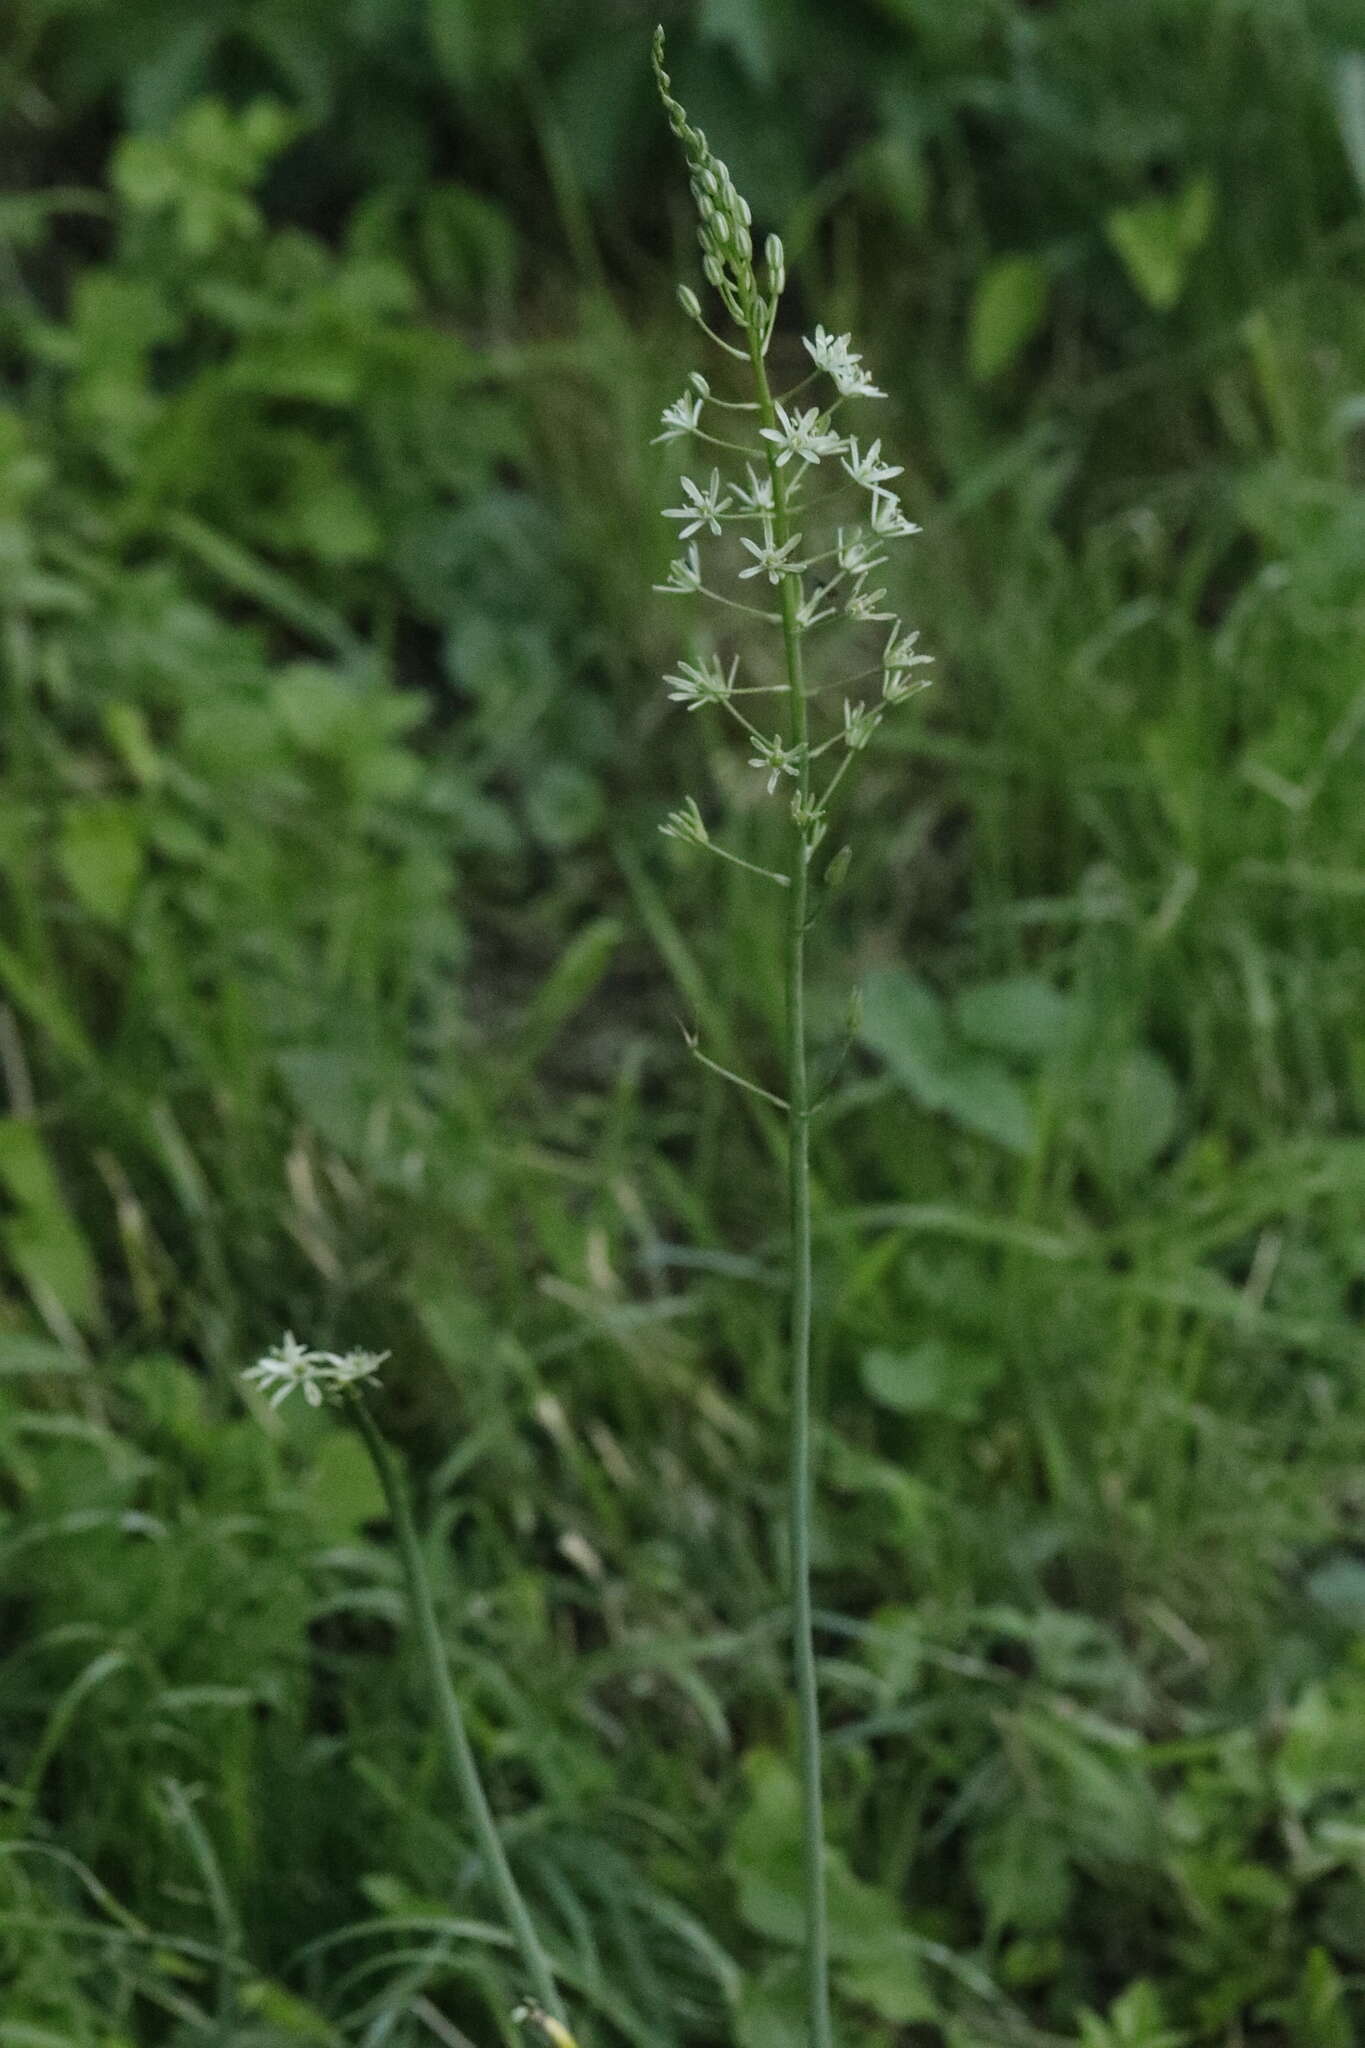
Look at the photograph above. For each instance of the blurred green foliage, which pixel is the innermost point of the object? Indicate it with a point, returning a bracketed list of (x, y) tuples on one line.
[(339, 964)]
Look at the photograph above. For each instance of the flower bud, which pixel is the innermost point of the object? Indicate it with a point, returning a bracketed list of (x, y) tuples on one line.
[(699, 384), (689, 302), (838, 867)]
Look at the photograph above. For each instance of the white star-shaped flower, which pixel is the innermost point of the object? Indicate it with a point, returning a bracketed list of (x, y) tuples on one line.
[(317, 1373), (836, 355), (679, 419), (757, 495), (704, 507), (701, 682), (859, 725), (858, 555), (901, 653), (867, 468), (683, 575), (289, 1365), (866, 605), (353, 1367), (776, 760), (888, 521), (899, 660), (770, 560), (813, 608), (805, 435), (687, 824)]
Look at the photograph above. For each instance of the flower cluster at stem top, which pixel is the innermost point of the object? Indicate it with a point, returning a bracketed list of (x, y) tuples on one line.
[(825, 581), (794, 459), (322, 1375)]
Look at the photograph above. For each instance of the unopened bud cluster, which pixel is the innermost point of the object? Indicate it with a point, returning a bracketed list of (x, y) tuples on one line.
[(724, 222)]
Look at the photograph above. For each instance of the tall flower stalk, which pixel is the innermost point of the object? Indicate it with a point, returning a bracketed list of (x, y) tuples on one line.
[(818, 573), (345, 1381)]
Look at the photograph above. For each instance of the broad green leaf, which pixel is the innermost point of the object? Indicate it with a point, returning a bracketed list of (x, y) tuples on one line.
[(1158, 238), (983, 1097), (934, 1378), (41, 1237), (766, 1855), (772, 2008), (563, 805), (102, 854), (1020, 1872), (1020, 1013), (892, 1983), (1136, 2020), (1007, 310), (904, 1021), (1137, 1109), (1318, 2016), (344, 1490), (1323, 1749)]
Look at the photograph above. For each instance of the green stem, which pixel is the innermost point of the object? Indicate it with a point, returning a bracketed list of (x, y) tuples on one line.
[(798, 1123), (459, 1755)]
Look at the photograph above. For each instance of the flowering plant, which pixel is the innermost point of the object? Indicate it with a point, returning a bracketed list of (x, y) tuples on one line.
[(814, 565)]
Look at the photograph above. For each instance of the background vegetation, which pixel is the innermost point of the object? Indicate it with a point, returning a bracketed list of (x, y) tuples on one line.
[(340, 970)]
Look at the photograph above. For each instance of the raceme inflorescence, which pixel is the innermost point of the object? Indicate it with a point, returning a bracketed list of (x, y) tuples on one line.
[(785, 527)]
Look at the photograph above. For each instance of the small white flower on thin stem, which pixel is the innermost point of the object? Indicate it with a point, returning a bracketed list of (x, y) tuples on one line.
[(899, 660), (805, 435), (859, 725), (814, 607), (770, 560), (318, 1373), (866, 468), (899, 688), (684, 575), (866, 605), (776, 760), (757, 494), (679, 419), (836, 355), (898, 654), (686, 824), (353, 1368), (289, 1365), (858, 555), (888, 521), (704, 507), (702, 682)]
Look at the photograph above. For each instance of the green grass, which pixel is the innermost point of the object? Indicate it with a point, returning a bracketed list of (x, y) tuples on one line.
[(341, 969)]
